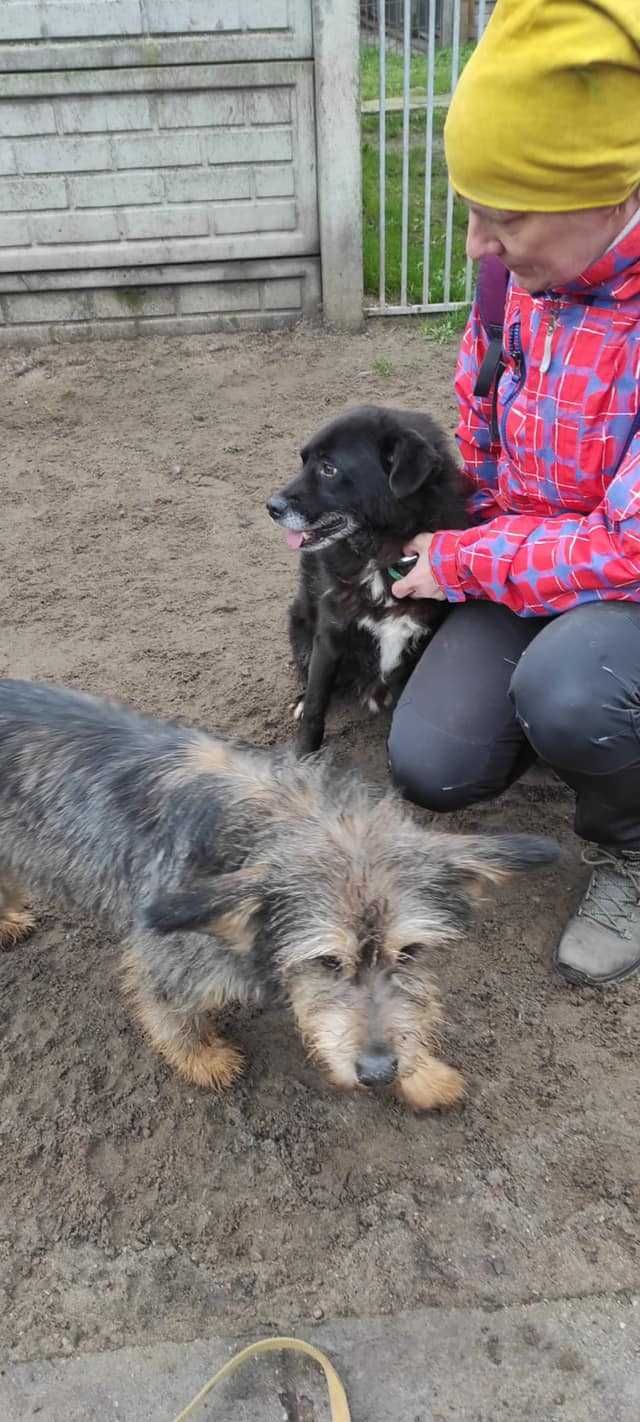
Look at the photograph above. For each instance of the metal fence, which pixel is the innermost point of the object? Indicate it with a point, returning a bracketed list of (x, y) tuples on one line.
[(394, 20), (418, 215)]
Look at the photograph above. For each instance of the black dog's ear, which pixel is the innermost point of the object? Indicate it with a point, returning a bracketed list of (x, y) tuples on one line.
[(411, 460), (224, 907)]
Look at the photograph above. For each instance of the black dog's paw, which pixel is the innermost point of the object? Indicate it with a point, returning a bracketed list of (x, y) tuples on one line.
[(309, 738), (377, 699)]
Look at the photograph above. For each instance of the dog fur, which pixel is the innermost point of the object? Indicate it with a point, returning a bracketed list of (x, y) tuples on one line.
[(229, 871), (370, 481)]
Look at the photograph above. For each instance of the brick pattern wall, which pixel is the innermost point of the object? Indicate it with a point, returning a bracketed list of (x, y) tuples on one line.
[(114, 168), (180, 299), (94, 19), (157, 166)]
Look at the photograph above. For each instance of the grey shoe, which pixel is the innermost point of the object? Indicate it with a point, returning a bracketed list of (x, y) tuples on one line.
[(601, 943)]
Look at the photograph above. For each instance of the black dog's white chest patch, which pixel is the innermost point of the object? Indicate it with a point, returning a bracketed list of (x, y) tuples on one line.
[(395, 632)]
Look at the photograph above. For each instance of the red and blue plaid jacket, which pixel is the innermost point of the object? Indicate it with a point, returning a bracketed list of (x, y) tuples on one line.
[(557, 499)]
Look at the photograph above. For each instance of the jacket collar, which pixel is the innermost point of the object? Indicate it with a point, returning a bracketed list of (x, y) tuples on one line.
[(616, 274)]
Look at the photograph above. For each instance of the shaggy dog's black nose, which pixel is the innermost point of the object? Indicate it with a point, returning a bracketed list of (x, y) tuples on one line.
[(376, 1068), (277, 506)]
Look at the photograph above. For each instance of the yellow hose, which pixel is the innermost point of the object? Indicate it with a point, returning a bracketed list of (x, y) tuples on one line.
[(337, 1395)]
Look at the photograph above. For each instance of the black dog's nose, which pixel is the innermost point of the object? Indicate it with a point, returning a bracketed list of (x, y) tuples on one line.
[(376, 1068), (277, 506)]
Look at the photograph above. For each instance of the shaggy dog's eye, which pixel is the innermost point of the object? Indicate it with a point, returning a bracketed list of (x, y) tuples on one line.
[(332, 965), (328, 469), (409, 952)]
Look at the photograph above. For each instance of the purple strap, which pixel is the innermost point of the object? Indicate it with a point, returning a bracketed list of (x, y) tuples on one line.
[(491, 293)]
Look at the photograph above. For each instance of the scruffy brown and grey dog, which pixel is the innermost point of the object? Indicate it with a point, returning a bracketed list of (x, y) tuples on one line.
[(227, 870)]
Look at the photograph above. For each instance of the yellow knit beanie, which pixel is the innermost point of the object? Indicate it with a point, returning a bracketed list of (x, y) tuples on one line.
[(546, 116)]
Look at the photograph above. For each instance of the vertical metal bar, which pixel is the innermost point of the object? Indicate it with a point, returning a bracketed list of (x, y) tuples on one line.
[(468, 279), (406, 117), (428, 160), (382, 140), (469, 273), (448, 247)]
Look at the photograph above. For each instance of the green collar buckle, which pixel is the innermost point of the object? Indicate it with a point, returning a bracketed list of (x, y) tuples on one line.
[(404, 566)]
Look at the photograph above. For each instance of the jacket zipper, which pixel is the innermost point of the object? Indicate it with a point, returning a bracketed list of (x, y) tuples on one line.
[(548, 343), (515, 351)]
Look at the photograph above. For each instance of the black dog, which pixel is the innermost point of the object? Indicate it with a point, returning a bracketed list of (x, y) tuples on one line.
[(371, 480)]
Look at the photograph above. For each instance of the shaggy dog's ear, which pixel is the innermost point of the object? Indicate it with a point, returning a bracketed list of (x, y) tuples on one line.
[(410, 461), (491, 858), (496, 857), (224, 907)]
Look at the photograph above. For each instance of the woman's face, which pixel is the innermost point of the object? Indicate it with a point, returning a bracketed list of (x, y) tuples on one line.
[(546, 249)]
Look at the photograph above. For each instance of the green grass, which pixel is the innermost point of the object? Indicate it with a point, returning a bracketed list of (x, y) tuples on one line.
[(441, 329), (370, 71), (383, 366), (393, 219), (393, 197)]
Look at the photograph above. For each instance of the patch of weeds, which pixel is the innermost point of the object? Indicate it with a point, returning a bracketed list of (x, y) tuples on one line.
[(441, 329), (383, 366)]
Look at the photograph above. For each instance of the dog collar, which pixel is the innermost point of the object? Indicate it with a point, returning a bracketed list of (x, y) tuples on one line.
[(402, 566)]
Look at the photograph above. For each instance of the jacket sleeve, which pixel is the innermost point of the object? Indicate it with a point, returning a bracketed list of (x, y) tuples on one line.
[(479, 452), (538, 567)]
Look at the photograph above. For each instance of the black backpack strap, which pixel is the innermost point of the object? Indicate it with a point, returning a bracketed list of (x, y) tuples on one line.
[(491, 296), (491, 368)]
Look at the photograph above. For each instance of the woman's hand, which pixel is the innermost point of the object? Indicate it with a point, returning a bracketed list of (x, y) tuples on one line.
[(420, 582)]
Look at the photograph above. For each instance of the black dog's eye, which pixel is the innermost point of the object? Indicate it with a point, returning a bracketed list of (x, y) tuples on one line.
[(332, 965), (327, 469)]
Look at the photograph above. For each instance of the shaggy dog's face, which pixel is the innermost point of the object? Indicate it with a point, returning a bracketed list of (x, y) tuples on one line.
[(361, 922), (349, 909)]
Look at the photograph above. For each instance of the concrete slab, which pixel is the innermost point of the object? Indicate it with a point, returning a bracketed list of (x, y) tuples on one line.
[(575, 1360)]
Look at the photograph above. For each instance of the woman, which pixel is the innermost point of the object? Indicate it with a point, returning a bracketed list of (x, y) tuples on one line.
[(541, 653)]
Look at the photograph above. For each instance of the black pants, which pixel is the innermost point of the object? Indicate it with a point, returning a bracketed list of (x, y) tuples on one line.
[(493, 690)]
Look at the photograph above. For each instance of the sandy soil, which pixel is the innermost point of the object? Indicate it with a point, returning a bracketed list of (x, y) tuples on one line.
[(137, 560)]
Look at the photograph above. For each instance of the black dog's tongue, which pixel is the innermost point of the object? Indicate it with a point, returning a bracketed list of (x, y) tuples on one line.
[(294, 538)]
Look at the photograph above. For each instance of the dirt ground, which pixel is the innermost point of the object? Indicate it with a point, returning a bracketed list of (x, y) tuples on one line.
[(137, 559)]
